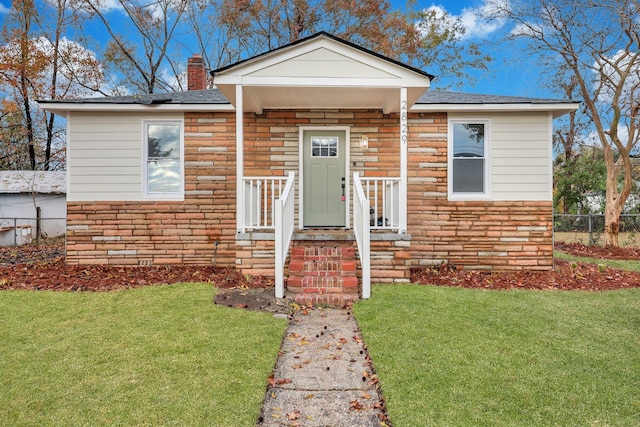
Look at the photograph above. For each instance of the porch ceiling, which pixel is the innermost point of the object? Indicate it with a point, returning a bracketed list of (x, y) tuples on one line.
[(258, 98)]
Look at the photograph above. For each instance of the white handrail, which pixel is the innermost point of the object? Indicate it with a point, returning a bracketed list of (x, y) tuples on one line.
[(361, 225), (384, 197), (284, 225)]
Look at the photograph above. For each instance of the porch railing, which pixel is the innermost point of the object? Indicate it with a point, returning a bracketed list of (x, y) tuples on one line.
[(384, 202), (284, 225), (361, 226), (260, 194)]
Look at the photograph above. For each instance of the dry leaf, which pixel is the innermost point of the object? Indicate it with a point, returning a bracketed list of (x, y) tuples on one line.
[(293, 415), (355, 405)]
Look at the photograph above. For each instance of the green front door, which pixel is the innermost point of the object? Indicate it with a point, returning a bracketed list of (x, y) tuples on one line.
[(324, 155)]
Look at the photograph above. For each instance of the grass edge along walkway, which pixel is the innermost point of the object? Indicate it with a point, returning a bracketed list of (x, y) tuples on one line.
[(465, 357), (157, 355)]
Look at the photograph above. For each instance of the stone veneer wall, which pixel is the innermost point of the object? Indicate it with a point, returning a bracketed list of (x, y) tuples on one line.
[(201, 230)]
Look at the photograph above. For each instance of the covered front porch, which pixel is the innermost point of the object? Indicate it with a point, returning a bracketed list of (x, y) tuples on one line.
[(321, 130)]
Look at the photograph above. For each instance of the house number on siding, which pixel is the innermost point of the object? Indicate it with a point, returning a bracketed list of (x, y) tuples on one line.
[(403, 122)]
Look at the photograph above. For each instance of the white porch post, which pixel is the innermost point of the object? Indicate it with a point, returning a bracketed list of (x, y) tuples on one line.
[(404, 139), (239, 160)]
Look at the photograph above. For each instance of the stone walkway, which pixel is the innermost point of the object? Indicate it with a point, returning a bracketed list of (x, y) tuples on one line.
[(323, 376)]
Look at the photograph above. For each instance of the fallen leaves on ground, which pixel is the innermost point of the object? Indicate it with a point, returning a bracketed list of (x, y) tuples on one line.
[(42, 267), (600, 252), (566, 275)]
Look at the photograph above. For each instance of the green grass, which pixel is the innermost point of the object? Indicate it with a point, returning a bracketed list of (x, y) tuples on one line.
[(631, 265), (162, 355), (464, 357)]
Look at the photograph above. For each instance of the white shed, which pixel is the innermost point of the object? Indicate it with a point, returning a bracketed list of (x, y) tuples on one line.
[(26, 196)]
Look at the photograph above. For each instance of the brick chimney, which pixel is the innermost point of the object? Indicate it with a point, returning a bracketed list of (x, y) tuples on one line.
[(196, 73)]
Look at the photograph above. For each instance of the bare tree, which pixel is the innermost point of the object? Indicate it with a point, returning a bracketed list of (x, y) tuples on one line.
[(139, 57), (599, 42)]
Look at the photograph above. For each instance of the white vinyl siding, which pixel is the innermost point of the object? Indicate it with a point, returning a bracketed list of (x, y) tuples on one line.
[(105, 154), (520, 155), (322, 62)]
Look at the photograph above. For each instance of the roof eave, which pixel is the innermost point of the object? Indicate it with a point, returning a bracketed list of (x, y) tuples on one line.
[(61, 108), (558, 109)]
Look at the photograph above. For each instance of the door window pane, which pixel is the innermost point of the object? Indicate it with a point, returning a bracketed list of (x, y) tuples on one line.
[(324, 147)]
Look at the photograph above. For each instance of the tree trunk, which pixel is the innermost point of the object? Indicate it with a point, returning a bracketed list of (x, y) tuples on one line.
[(612, 211)]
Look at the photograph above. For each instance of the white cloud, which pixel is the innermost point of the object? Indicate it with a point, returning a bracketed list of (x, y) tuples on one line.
[(4, 9), (609, 71), (478, 21), (483, 20), (108, 5)]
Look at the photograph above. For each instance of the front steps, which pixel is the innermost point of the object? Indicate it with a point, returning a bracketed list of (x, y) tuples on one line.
[(323, 273)]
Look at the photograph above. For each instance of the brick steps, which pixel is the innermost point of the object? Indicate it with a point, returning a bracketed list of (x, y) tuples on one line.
[(323, 274)]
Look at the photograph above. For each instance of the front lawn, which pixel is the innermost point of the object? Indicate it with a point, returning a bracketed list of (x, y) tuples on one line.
[(466, 357), (159, 355)]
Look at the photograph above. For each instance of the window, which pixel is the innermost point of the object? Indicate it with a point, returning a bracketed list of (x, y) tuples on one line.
[(163, 164), (324, 146), (468, 164)]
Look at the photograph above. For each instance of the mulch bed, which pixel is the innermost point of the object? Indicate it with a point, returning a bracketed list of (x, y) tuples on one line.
[(566, 275), (600, 252), (42, 267)]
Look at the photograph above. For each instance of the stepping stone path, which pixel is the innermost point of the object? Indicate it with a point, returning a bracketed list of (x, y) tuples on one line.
[(323, 376)]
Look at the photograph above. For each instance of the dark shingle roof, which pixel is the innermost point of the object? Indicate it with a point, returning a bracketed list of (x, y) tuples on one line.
[(208, 96), (459, 98), (214, 96)]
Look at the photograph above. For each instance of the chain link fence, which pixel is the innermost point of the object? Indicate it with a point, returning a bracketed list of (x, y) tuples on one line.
[(589, 229), (24, 231)]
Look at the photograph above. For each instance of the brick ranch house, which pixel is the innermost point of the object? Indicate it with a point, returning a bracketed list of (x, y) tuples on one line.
[(320, 163)]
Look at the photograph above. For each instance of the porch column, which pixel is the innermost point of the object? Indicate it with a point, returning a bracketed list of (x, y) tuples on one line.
[(239, 160), (404, 138)]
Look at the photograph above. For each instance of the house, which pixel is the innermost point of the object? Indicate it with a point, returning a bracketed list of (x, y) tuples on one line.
[(320, 155), (31, 202)]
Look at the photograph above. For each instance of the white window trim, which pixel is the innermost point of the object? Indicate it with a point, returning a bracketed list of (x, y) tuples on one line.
[(486, 195), (145, 148)]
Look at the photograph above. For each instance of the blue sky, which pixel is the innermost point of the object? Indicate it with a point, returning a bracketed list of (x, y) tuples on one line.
[(511, 72)]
